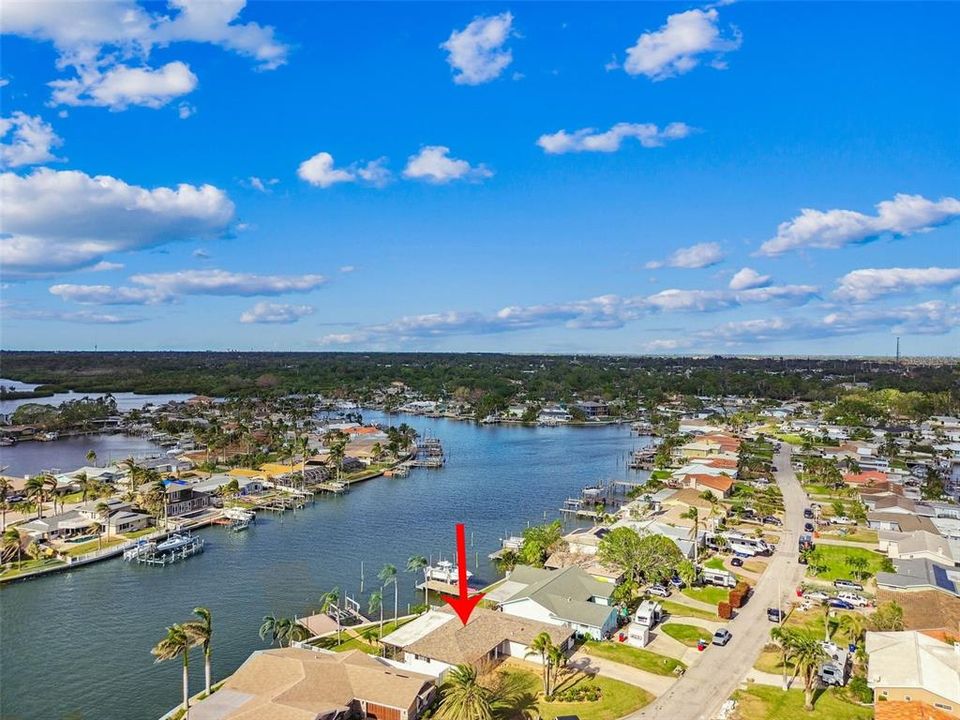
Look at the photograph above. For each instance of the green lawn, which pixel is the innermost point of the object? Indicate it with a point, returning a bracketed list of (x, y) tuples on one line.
[(89, 547), (771, 661), (860, 535), (687, 634), (791, 438), (676, 609), (707, 594), (139, 533), (617, 698), (834, 561), (715, 563), (367, 641), (12, 570), (634, 657), (764, 702)]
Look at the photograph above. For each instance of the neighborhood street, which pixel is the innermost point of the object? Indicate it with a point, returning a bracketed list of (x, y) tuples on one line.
[(701, 691)]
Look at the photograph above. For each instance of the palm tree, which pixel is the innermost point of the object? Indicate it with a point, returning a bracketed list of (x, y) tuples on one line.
[(92, 457), (36, 490), (176, 643), (462, 697), (418, 563), (785, 638), (103, 512), (5, 487), (807, 654), (86, 485), (50, 482), (542, 645), (557, 659), (272, 627), (693, 513), (376, 603), (329, 599), (201, 633), (96, 528), (387, 575), (10, 544)]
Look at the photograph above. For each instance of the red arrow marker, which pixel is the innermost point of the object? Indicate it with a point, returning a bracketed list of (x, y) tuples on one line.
[(464, 604)]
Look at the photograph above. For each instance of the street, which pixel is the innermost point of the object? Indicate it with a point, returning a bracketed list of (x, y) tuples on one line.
[(701, 691)]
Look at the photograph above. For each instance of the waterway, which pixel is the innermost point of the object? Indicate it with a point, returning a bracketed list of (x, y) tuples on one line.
[(31, 457), (125, 400), (77, 644)]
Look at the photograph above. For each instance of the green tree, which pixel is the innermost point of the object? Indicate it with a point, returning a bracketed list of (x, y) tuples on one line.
[(387, 575), (417, 564), (543, 646), (36, 490), (200, 632), (463, 697), (692, 513), (858, 565), (887, 617), (539, 541), (376, 603), (92, 457), (622, 548), (807, 655), (11, 545), (176, 644)]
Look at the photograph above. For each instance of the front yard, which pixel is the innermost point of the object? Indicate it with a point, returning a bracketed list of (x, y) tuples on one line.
[(689, 635), (833, 562), (634, 657), (707, 594), (765, 702), (675, 609)]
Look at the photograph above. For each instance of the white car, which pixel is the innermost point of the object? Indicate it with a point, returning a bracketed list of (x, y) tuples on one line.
[(854, 599), (816, 596), (842, 520)]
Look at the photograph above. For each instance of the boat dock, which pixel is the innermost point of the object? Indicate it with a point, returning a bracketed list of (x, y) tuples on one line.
[(173, 549)]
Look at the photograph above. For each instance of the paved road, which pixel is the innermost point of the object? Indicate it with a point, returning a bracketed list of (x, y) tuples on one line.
[(701, 691)]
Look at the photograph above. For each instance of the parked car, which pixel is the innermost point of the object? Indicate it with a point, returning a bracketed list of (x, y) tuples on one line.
[(775, 615), (854, 599), (847, 585), (772, 520), (659, 591), (721, 637), (840, 604), (808, 527), (843, 520), (677, 582), (736, 561), (808, 513), (816, 595), (740, 556)]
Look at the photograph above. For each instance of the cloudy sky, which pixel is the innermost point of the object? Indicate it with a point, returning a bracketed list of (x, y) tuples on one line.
[(637, 178)]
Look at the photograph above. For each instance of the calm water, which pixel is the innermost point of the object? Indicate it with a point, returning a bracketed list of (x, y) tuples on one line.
[(125, 400), (66, 454), (76, 645)]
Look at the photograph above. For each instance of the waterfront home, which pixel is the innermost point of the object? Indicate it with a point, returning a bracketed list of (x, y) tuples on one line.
[(54, 527), (592, 408), (579, 548), (553, 415), (569, 597), (913, 666), (437, 641), (301, 684), (127, 521), (182, 499), (720, 486), (246, 485)]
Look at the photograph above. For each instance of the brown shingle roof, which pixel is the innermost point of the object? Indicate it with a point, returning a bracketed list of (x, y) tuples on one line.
[(924, 609), (914, 710)]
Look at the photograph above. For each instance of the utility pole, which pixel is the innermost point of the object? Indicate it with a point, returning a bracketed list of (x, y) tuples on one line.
[(898, 349)]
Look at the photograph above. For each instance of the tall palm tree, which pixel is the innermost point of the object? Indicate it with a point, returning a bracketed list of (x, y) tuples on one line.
[(808, 654), (329, 599), (50, 483), (201, 633), (786, 639), (10, 544), (96, 528), (693, 513), (418, 563), (542, 645), (103, 512), (557, 660), (462, 697), (92, 457), (376, 603), (176, 644), (272, 627), (5, 487), (387, 575), (86, 485), (36, 490)]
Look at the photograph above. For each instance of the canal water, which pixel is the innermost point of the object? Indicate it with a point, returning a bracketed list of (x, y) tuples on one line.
[(77, 645), (66, 454)]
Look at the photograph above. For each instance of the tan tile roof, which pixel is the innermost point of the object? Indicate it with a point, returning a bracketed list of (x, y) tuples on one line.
[(914, 710), (455, 643), (296, 684)]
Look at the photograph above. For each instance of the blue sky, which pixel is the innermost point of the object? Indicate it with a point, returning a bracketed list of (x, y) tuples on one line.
[(670, 178)]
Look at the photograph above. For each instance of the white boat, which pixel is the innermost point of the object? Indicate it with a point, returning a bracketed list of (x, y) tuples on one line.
[(237, 513), (445, 571), (174, 542), (144, 547)]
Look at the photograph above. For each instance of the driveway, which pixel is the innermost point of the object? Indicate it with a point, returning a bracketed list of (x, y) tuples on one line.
[(656, 684), (701, 691)]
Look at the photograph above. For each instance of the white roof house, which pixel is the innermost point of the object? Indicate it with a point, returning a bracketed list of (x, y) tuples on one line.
[(911, 660)]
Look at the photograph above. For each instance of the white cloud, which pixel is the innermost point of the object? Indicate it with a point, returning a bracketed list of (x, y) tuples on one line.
[(434, 164), (64, 220), (85, 317), (320, 171), (201, 254), (747, 278), (476, 53), (589, 140), (105, 266), (186, 110), (97, 39), (31, 141), (601, 312), (674, 48), (347, 269), (122, 86), (108, 295), (903, 215), (223, 282), (696, 256), (869, 283), (260, 184), (275, 313)]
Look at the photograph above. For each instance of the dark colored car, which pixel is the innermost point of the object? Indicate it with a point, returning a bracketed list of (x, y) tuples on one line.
[(677, 582), (808, 527), (736, 562), (840, 604), (772, 520), (775, 615), (808, 513)]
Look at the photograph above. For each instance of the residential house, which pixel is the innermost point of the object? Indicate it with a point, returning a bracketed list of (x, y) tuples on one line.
[(920, 574), (569, 597), (916, 545), (301, 684), (437, 641), (720, 486), (182, 499), (899, 521), (912, 666)]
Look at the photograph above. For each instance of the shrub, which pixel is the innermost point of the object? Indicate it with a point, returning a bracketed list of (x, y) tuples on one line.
[(859, 689), (724, 610), (581, 692)]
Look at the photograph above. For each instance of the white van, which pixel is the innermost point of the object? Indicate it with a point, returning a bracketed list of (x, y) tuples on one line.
[(853, 598)]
